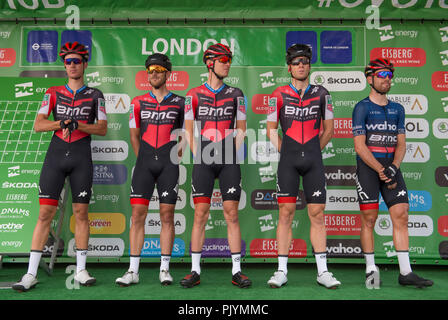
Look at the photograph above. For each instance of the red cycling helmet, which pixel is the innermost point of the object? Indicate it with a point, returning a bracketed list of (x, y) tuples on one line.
[(74, 47), (377, 64), (215, 51)]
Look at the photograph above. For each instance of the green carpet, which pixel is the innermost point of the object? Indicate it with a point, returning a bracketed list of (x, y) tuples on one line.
[(216, 284)]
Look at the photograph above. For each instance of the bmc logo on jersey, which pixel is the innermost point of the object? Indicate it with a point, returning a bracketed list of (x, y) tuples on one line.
[(215, 112), (301, 112), (76, 111), (161, 115)]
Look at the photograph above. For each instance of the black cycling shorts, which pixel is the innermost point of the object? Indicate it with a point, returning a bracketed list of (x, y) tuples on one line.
[(369, 185), (154, 168), (66, 159), (203, 181), (307, 165)]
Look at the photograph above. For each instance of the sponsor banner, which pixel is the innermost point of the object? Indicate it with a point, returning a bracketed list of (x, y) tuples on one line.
[(103, 223), (442, 226), (266, 199), (153, 225), (99, 247), (340, 175), (343, 224), (267, 248), (418, 225), (414, 104), (416, 128), (151, 248), (419, 200), (111, 150), (178, 80), (109, 173), (339, 80), (441, 176), (117, 103), (343, 128), (342, 200), (260, 103), (440, 128), (7, 57), (417, 152), (218, 247), (439, 81), (344, 248), (401, 57)]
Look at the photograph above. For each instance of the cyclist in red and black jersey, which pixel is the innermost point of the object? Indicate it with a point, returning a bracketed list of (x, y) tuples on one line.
[(154, 119), (78, 112), (219, 111), (301, 109)]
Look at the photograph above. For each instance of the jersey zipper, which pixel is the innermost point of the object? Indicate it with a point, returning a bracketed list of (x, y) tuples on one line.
[(157, 131)]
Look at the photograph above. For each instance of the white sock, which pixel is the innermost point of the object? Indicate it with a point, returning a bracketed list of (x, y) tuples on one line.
[(370, 262), (34, 262), (81, 258), (283, 264), (403, 262), (196, 262), (134, 264), (236, 263), (165, 262), (321, 261)]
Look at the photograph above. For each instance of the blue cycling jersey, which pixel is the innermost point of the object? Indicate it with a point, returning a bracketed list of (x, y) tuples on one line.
[(380, 125)]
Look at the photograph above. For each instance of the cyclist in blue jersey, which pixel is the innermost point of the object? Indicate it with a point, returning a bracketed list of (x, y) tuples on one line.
[(380, 143)]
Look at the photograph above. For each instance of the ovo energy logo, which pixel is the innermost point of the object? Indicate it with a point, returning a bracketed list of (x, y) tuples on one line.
[(23, 89)]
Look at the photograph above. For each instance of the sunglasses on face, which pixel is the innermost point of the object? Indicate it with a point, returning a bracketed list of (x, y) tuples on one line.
[(224, 59), (157, 69), (69, 61), (304, 61), (384, 74)]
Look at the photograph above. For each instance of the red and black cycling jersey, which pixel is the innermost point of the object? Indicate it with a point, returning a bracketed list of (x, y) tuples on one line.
[(85, 105), (300, 118), (216, 110), (157, 121)]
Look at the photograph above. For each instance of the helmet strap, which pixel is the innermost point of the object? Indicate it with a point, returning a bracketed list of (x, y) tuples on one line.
[(212, 67)]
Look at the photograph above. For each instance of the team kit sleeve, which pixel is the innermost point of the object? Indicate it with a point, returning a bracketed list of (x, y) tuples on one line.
[(191, 103), (241, 103), (275, 103), (48, 102), (401, 120), (100, 112), (359, 119), (327, 105), (134, 115)]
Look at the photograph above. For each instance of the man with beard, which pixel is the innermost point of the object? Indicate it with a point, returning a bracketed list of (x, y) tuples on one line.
[(78, 112), (380, 143), (301, 108), (154, 120), (218, 110)]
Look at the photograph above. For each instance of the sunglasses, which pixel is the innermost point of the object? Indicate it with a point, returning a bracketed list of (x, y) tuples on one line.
[(69, 61), (304, 61), (156, 68), (384, 74), (224, 59)]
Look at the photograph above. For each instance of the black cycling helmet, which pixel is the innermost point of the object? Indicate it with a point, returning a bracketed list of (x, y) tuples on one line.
[(298, 50), (159, 59), (215, 51), (378, 64), (74, 47)]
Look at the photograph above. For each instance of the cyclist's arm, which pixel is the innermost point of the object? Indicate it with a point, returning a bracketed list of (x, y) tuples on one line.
[(98, 128), (134, 134), (272, 133), (400, 150), (189, 129), (327, 134), (42, 123), (240, 133)]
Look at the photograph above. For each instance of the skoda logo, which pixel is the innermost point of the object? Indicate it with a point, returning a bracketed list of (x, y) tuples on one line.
[(384, 223), (319, 80)]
